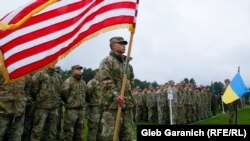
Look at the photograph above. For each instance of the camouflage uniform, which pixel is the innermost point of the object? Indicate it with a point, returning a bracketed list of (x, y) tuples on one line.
[(144, 105), (213, 104), (12, 108), (174, 104), (203, 104), (73, 95), (139, 106), (46, 89), (209, 104), (60, 115), (94, 103), (150, 102), (111, 73), (162, 107), (180, 117), (191, 105), (231, 111), (29, 110), (187, 105), (199, 104)]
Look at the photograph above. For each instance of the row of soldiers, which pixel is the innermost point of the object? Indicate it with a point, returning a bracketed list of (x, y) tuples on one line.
[(34, 108), (189, 103)]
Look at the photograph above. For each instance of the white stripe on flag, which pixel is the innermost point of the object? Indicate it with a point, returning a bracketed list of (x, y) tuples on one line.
[(57, 5), (50, 22), (41, 25), (15, 12), (40, 56)]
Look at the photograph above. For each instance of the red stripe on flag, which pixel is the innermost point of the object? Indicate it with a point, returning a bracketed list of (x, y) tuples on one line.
[(49, 15), (36, 65), (27, 10), (65, 24), (49, 45)]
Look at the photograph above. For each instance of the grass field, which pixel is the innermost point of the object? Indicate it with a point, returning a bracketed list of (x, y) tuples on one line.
[(222, 119), (219, 119)]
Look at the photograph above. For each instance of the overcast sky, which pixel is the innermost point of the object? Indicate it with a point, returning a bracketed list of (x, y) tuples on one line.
[(177, 39)]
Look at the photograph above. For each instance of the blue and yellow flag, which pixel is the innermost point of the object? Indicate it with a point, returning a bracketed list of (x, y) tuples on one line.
[(235, 90)]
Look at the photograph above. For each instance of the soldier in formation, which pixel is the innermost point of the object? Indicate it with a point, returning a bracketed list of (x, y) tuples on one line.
[(93, 99), (41, 100), (111, 75), (13, 100), (73, 95), (46, 90), (190, 103)]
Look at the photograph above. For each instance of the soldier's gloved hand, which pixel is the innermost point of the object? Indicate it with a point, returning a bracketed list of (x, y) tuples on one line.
[(120, 100)]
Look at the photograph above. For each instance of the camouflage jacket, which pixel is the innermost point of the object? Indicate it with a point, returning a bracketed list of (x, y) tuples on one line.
[(198, 98), (180, 97), (46, 89), (151, 99), (161, 98), (94, 92), (74, 93), (138, 98), (12, 97), (111, 74), (191, 97), (28, 89), (186, 96)]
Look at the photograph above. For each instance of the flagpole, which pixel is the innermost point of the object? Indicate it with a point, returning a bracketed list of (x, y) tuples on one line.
[(124, 82)]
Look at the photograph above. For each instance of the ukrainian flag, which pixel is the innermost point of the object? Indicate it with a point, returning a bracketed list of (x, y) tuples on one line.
[(235, 90)]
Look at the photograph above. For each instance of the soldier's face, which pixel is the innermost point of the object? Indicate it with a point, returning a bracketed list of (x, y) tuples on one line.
[(118, 47), (77, 71)]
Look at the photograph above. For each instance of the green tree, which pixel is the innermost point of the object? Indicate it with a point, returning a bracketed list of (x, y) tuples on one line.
[(88, 74), (192, 81), (186, 80), (155, 84), (217, 88)]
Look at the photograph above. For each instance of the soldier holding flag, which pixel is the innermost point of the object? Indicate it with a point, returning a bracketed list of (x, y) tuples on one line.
[(111, 75)]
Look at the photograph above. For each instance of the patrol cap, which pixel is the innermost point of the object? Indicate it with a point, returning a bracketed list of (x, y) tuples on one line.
[(118, 40), (76, 67)]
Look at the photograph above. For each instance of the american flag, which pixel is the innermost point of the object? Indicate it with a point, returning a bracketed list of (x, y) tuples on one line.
[(43, 31)]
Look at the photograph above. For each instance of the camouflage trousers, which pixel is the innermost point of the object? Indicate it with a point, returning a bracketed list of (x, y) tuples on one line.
[(196, 113), (59, 121), (11, 127), (162, 115), (28, 122), (231, 107), (151, 112), (138, 113), (180, 115), (42, 118), (186, 114), (93, 116), (144, 113), (174, 114), (189, 114), (203, 111), (107, 124), (73, 124)]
